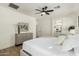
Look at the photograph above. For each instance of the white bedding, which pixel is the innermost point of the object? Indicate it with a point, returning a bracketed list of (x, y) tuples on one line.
[(71, 42), (45, 46)]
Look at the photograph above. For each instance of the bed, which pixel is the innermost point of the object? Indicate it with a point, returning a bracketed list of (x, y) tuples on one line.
[(46, 46)]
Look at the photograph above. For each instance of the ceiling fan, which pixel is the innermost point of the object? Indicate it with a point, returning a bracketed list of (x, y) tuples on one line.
[(45, 10)]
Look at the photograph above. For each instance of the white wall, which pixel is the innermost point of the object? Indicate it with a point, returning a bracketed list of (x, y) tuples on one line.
[(8, 20), (44, 25), (67, 21)]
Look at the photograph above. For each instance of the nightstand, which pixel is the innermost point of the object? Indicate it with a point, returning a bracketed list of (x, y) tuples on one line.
[(20, 38)]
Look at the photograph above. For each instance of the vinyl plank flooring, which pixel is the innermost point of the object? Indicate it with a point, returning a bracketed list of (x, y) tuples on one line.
[(11, 51)]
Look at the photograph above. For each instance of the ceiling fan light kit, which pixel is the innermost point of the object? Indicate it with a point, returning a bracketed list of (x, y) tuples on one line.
[(45, 10)]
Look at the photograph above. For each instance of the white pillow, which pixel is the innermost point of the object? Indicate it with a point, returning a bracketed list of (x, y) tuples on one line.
[(61, 39), (71, 42), (76, 51)]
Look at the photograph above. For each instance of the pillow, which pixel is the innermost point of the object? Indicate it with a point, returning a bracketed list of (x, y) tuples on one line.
[(71, 42), (72, 32), (76, 51), (61, 39)]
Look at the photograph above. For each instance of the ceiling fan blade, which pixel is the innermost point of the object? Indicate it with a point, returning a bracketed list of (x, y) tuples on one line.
[(47, 13), (57, 6), (38, 10), (49, 10)]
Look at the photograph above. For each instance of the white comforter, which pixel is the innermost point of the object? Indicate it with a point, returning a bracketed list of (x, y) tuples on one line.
[(45, 46), (71, 42)]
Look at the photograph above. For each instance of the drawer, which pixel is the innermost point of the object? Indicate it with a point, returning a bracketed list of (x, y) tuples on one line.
[(20, 38)]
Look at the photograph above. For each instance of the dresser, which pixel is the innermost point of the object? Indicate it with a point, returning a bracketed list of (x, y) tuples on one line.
[(20, 38)]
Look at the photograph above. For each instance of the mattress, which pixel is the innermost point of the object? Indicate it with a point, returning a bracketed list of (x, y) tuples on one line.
[(45, 47)]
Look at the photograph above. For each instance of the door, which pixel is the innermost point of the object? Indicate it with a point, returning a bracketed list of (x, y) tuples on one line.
[(44, 26)]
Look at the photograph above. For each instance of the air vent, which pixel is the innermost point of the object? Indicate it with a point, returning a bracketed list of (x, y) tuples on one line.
[(13, 6)]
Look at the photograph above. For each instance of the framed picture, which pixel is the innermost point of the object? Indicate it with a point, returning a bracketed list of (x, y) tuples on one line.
[(23, 27)]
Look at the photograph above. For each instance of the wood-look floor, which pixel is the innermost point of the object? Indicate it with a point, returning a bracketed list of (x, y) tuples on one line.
[(11, 51)]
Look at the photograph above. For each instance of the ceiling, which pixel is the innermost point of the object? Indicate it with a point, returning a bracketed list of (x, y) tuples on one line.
[(29, 8)]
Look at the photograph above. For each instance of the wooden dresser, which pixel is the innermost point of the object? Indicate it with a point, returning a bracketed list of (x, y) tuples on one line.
[(20, 38)]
